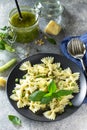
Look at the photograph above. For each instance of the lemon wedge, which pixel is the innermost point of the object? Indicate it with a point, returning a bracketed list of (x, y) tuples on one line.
[(2, 82)]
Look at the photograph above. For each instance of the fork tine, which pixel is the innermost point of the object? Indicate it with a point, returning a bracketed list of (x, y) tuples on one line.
[(74, 46), (77, 46), (80, 47)]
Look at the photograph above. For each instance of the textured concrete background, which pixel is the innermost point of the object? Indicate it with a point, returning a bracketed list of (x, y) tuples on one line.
[(74, 23)]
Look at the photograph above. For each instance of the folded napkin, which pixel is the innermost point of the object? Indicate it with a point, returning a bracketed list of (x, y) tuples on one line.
[(63, 47)]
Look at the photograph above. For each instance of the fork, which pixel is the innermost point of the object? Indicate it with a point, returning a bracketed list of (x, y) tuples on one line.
[(77, 49)]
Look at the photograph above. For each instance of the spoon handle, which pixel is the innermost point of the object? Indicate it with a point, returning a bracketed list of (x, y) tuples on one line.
[(84, 68), (19, 11)]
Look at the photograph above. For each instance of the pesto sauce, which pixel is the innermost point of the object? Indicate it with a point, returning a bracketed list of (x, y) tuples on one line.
[(23, 33), (28, 19)]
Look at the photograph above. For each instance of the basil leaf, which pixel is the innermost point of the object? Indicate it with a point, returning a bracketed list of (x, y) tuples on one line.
[(3, 44), (48, 94), (14, 119), (2, 47), (62, 93), (51, 40), (52, 87), (2, 35), (4, 28), (37, 95), (46, 100)]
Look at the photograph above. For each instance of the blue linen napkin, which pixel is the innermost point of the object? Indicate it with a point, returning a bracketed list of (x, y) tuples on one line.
[(63, 47)]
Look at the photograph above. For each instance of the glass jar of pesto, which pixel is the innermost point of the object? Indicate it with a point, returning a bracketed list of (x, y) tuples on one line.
[(27, 29)]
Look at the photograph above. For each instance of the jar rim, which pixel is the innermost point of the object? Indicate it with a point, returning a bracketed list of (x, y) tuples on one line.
[(25, 8)]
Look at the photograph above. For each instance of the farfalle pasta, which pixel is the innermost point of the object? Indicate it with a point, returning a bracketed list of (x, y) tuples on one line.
[(38, 77)]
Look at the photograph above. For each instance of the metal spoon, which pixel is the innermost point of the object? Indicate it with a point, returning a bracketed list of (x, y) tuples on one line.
[(77, 49)]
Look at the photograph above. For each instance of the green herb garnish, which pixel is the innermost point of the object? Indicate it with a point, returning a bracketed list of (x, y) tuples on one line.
[(46, 97), (14, 119), (4, 28), (51, 40), (62, 93), (46, 100), (4, 45), (52, 87), (37, 95)]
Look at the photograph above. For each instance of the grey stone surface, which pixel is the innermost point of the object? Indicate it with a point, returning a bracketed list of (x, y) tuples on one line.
[(74, 23)]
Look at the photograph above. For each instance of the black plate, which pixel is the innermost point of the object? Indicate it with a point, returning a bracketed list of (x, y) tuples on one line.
[(35, 59)]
